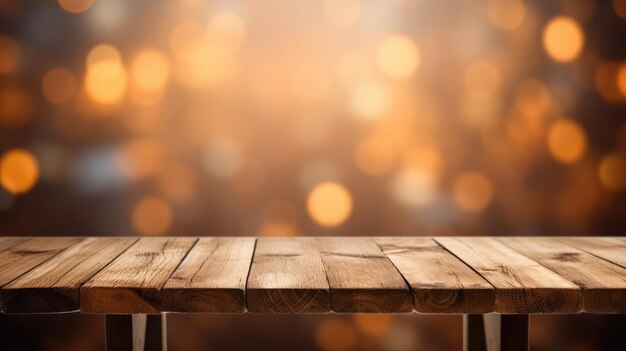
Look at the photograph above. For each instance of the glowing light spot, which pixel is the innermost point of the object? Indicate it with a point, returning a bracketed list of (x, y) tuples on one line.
[(506, 14), (607, 81), (373, 324), (482, 79), (370, 101), (149, 74), (567, 141), (227, 30), (621, 79), (414, 187), (140, 158), (374, 156), (279, 219), (105, 82), (152, 216), (342, 13), (398, 57), (334, 334), (563, 39), (620, 8), (532, 98), (19, 171), (75, 6), (9, 54), (472, 191), (329, 204), (16, 106), (612, 172), (58, 85)]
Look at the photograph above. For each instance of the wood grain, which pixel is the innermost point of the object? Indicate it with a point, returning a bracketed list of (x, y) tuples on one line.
[(212, 278), (522, 285), (10, 241), (287, 276), (132, 282), (603, 283), (612, 249), (54, 286), (362, 279), (440, 282), (21, 258)]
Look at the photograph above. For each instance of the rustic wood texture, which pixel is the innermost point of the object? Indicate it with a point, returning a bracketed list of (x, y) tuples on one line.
[(132, 282), (287, 276), (361, 277), (440, 282), (10, 241), (612, 249), (603, 283), (54, 286), (212, 278), (18, 259), (522, 285)]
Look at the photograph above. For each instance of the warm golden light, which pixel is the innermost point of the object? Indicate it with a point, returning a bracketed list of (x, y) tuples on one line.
[(152, 216), (506, 14), (75, 6), (16, 106), (620, 8), (482, 79), (532, 98), (227, 30), (140, 158), (329, 204), (102, 52), (335, 335), (342, 13), (472, 191), (149, 74), (621, 79), (612, 172), (9, 54), (105, 82), (607, 81), (19, 171), (58, 85), (398, 56), (414, 187), (177, 182), (563, 39), (567, 141), (373, 324), (370, 101), (374, 156)]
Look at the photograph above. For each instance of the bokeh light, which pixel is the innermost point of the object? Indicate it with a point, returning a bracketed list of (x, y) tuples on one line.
[(342, 12), (373, 324), (16, 106), (567, 141), (374, 156), (506, 14), (335, 334), (370, 101), (482, 79), (58, 85), (19, 171), (398, 56), (152, 216), (9, 54), (75, 6), (472, 191), (105, 81), (149, 75), (563, 39), (329, 204), (612, 172), (414, 187)]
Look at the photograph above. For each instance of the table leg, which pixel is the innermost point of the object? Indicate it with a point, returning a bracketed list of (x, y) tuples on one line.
[(495, 332), (135, 332)]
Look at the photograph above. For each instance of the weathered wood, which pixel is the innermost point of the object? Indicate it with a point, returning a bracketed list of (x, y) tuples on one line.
[(287, 276), (603, 283), (212, 278), (440, 282), (132, 282), (10, 241), (54, 286), (522, 285), (361, 277), (21, 258), (612, 249)]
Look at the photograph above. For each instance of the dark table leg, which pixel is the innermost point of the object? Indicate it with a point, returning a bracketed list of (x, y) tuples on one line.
[(495, 332), (135, 332)]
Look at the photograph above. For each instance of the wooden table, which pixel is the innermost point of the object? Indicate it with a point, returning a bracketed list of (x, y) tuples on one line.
[(494, 282)]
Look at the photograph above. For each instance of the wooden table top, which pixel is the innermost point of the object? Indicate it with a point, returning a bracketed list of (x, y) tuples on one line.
[(313, 275)]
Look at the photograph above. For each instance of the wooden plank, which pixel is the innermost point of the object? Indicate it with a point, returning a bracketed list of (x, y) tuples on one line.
[(441, 283), (603, 283), (10, 241), (287, 276), (362, 279), (212, 278), (522, 285), (609, 248), (132, 282), (54, 286), (21, 258)]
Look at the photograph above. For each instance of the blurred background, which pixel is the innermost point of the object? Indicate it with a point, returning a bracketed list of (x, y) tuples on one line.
[(313, 117)]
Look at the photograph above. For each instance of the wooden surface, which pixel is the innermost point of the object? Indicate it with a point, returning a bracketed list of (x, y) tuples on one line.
[(522, 285), (441, 283), (603, 283), (288, 276), (132, 282), (212, 278), (313, 275)]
